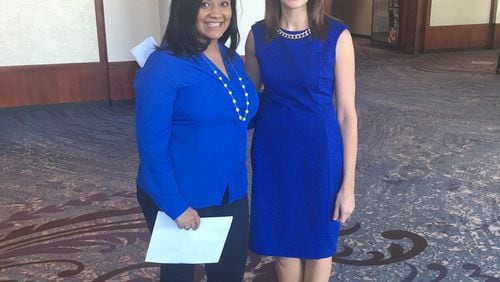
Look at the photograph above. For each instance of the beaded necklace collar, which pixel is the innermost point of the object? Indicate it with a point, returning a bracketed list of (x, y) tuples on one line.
[(293, 36), (241, 117)]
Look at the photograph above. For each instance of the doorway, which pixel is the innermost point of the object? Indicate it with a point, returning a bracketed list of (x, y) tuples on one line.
[(357, 14)]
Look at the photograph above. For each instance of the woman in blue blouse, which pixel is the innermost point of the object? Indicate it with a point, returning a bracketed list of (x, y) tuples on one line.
[(193, 104)]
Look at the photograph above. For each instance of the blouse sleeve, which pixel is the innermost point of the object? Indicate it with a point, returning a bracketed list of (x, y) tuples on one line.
[(155, 95)]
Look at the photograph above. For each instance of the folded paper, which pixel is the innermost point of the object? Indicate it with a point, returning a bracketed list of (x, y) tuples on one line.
[(169, 244), (142, 51)]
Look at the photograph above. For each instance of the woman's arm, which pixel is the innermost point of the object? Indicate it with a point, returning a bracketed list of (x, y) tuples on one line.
[(345, 86), (251, 65), (155, 96)]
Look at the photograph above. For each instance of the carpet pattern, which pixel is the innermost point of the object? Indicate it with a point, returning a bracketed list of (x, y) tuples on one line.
[(428, 181)]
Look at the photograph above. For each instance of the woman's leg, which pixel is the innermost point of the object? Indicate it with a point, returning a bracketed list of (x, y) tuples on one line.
[(168, 272), (317, 270), (289, 269), (231, 266)]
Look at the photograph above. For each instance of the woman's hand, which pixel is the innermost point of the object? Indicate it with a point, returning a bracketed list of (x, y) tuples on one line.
[(189, 219), (344, 205)]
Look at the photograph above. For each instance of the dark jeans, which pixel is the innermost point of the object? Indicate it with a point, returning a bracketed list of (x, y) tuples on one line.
[(231, 266)]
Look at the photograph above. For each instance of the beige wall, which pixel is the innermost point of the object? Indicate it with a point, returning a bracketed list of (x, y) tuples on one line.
[(47, 32), (498, 14), (164, 13), (128, 22), (249, 12), (62, 31), (460, 12)]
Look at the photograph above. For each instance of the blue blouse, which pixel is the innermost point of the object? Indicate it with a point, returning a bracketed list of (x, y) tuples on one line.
[(191, 142)]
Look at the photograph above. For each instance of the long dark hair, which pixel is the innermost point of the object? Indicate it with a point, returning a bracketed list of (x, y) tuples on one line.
[(181, 37), (315, 14)]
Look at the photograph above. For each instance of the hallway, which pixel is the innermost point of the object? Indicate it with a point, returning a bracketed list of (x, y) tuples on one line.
[(428, 181)]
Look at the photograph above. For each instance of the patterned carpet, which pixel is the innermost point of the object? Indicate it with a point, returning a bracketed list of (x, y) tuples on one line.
[(427, 188)]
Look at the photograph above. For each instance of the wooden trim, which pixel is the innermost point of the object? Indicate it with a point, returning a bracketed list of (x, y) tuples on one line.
[(428, 9), (121, 80), (45, 67), (493, 12), (421, 20), (460, 36), (494, 26), (59, 83), (328, 7), (404, 23), (337, 9), (426, 23), (496, 37), (457, 37), (101, 31), (413, 19), (101, 37), (52, 84)]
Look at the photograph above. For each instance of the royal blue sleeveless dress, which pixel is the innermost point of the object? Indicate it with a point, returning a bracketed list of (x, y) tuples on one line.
[(297, 147)]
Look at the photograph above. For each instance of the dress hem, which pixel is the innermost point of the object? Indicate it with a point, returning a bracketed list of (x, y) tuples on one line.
[(279, 253)]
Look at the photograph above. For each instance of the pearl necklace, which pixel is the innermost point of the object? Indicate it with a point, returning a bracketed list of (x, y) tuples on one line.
[(293, 36), (229, 92)]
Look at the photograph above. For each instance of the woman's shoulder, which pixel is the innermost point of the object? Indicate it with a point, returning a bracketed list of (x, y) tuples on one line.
[(161, 57), (259, 26), (335, 25), (165, 63), (161, 65), (335, 28)]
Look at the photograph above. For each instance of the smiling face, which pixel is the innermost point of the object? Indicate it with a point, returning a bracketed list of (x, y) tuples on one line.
[(214, 18)]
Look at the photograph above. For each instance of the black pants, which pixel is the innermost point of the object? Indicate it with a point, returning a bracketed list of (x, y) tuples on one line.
[(231, 266)]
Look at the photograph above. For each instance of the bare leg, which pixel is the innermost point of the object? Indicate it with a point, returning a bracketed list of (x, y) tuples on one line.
[(289, 269), (317, 270)]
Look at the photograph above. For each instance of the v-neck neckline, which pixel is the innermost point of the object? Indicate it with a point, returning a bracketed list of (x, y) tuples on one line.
[(213, 66)]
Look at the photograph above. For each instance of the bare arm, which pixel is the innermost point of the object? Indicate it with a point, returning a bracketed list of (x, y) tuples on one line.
[(251, 65), (345, 86)]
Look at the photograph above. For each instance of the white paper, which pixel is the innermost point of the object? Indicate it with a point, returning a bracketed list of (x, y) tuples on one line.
[(169, 244), (142, 51)]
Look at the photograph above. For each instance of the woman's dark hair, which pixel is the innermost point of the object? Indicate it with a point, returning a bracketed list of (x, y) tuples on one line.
[(315, 14), (181, 36)]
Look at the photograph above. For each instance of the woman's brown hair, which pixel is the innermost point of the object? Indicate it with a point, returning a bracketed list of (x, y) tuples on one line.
[(315, 14)]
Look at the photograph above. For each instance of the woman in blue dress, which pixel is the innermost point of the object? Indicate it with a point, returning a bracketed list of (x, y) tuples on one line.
[(305, 138), (193, 104)]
